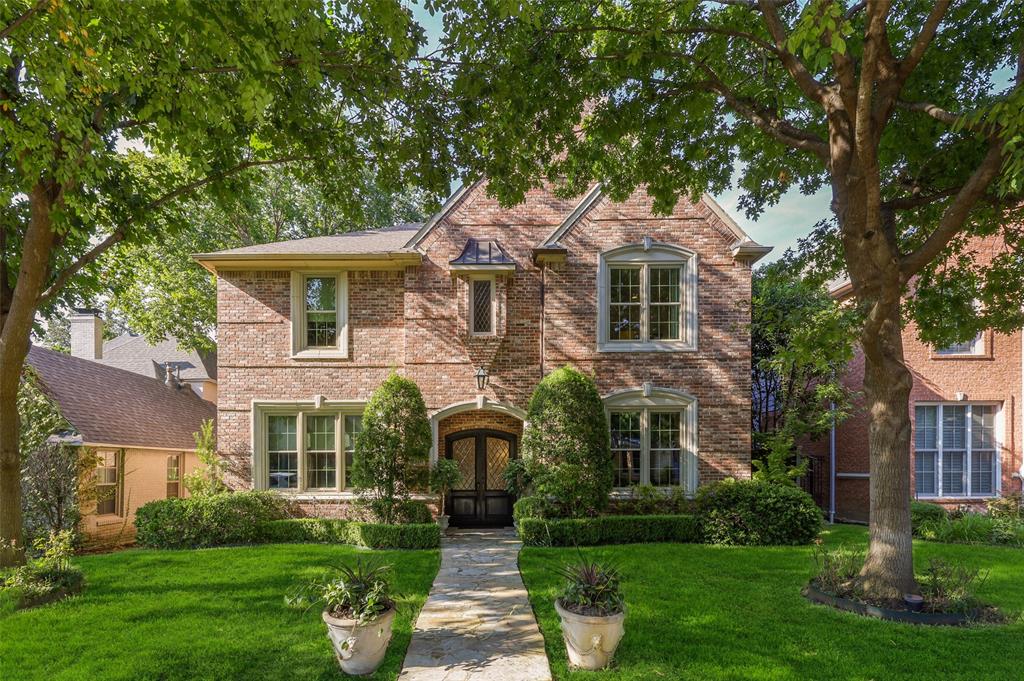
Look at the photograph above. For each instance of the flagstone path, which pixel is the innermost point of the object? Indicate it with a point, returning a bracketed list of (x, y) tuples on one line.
[(477, 623)]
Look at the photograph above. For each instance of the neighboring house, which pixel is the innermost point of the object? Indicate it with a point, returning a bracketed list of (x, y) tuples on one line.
[(965, 410), (476, 305), (140, 427), (134, 353)]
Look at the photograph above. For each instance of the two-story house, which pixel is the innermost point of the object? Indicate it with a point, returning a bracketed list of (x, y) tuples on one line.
[(477, 305), (965, 410)]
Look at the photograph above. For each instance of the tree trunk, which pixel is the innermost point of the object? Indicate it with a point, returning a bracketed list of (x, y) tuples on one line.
[(14, 343), (888, 572)]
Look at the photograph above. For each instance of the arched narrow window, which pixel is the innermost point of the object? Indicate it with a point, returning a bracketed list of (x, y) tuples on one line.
[(647, 297), (653, 438)]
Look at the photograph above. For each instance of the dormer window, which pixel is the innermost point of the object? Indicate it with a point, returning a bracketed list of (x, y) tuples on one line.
[(480, 263), (319, 315), (647, 299)]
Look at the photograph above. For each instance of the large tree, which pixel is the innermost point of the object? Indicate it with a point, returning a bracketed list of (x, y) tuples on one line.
[(909, 111), (113, 112)]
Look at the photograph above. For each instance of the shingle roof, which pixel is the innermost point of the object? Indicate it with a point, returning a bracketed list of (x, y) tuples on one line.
[(134, 353), (112, 406), (372, 241)]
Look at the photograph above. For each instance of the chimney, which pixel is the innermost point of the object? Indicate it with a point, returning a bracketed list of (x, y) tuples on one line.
[(86, 334), (172, 381)]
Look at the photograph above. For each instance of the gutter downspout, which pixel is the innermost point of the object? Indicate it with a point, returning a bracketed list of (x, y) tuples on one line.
[(1020, 411), (543, 283), (832, 466)]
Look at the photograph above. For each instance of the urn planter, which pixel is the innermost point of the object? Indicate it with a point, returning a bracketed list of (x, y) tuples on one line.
[(591, 640), (360, 648)]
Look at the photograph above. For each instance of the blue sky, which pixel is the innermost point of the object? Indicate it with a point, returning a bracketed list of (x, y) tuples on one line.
[(780, 225)]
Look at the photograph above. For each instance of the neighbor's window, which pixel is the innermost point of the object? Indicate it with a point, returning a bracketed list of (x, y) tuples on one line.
[(647, 447), (107, 486), (174, 476), (322, 452), (319, 319), (481, 306), (975, 346), (955, 450), (647, 299)]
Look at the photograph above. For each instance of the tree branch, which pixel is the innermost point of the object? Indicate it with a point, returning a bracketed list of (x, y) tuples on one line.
[(693, 30), (918, 200), (19, 20), (121, 232), (922, 41), (956, 212), (813, 89)]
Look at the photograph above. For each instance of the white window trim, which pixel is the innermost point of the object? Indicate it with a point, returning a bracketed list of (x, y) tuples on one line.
[(646, 255), (997, 488), (261, 411), (298, 315), (648, 400), (471, 306)]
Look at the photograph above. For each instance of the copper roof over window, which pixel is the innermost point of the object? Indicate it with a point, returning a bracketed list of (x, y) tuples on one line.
[(483, 255)]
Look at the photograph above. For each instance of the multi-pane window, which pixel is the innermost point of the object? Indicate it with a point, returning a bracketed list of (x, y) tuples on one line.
[(107, 483), (665, 303), (282, 452), (321, 453), (174, 476), (625, 304), (955, 450), (647, 447), (309, 450), (626, 447), (975, 346), (321, 312), (481, 306), (353, 425)]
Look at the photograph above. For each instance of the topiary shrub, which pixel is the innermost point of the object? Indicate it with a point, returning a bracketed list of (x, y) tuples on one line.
[(922, 513), (611, 529), (565, 443), (196, 522), (393, 447), (748, 512)]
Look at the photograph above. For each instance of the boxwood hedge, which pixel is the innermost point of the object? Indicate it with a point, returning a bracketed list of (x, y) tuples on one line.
[(612, 529), (197, 522), (331, 531)]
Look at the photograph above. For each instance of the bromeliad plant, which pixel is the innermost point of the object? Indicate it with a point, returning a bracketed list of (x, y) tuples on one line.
[(591, 588), (360, 592)]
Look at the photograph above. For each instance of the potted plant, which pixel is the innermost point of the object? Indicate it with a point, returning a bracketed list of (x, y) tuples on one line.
[(593, 613), (358, 611), (443, 476)]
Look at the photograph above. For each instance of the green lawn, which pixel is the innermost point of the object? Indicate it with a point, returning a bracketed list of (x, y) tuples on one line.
[(210, 614), (706, 612)]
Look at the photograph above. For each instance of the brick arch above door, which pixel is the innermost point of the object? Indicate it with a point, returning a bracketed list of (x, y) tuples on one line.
[(469, 416)]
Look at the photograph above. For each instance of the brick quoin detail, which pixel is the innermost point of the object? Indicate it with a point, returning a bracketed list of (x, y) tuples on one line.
[(415, 321)]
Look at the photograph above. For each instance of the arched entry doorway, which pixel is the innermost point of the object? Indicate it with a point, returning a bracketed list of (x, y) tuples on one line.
[(481, 498)]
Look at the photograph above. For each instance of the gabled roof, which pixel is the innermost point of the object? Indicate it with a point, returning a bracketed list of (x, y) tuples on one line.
[(134, 353), (441, 214), (110, 406), (376, 244)]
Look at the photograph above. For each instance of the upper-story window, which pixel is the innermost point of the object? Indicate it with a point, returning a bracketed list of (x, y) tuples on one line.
[(481, 306), (647, 297), (319, 315), (975, 346)]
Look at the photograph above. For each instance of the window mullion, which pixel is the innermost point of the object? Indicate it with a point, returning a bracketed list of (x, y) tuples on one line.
[(339, 456), (300, 450), (645, 447), (968, 489), (645, 302), (939, 453)]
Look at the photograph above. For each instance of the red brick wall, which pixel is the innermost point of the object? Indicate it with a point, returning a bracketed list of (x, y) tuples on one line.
[(992, 377), (415, 321)]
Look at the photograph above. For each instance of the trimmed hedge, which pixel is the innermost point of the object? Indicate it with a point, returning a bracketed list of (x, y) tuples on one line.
[(331, 531), (755, 513), (611, 529), (198, 522), (922, 512)]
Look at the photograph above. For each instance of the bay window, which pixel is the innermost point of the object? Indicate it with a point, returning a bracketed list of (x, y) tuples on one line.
[(956, 452)]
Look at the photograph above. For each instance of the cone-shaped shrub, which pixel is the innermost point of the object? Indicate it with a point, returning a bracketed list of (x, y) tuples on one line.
[(565, 443)]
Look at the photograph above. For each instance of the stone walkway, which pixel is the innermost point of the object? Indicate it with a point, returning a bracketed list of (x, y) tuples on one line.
[(477, 622)]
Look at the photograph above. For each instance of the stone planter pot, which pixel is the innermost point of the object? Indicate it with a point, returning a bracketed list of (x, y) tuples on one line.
[(591, 640), (442, 521), (360, 648)]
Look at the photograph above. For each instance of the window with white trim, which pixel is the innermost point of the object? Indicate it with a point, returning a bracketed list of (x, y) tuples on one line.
[(956, 451), (319, 314), (975, 346), (647, 299), (307, 450), (108, 482), (481, 306), (653, 439)]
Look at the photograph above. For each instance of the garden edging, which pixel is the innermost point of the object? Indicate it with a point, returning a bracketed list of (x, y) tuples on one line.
[(949, 619)]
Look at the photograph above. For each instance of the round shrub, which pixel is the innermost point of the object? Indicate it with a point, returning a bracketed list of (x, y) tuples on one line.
[(196, 522), (565, 443), (923, 513), (531, 507), (749, 512)]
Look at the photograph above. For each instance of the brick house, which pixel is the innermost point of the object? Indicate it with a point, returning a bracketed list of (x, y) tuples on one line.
[(965, 413), (476, 305)]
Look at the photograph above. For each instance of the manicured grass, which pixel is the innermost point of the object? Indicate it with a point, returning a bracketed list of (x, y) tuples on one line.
[(707, 612), (207, 614)]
